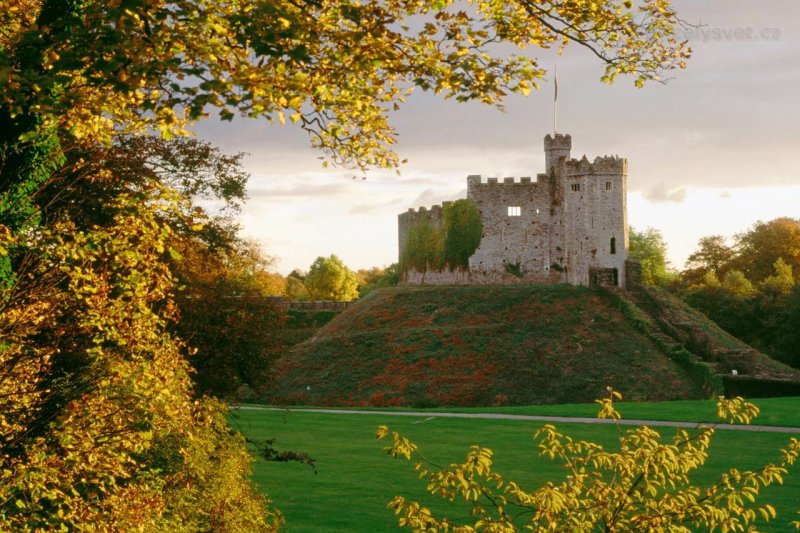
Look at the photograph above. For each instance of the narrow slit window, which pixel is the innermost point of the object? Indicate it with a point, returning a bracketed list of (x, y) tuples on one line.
[(514, 211), (613, 245), (576, 187), (608, 185)]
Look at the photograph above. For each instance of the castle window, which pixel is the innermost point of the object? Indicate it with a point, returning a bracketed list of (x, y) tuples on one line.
[(608, 185), (576, 187), (514, 211), (613, 245)]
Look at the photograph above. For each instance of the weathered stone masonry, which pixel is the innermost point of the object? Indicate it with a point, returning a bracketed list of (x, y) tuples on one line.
[(568, 225)]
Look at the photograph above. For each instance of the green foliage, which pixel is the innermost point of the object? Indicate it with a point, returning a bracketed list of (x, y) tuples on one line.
[(434, 244), (462, 233), (234, 339), (296, 290), (784, 329), (781, 282), (377, 278), (713, 256), (648, 484), (424, 249), (329, 279), (630, 311), (515, 269), (761, 314), (737, 285), (761, 246), (649, 249)]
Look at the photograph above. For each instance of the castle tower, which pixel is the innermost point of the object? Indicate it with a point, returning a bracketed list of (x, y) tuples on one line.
[(555, 147)]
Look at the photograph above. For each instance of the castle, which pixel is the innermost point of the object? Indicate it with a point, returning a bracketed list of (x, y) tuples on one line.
[(569, 225)]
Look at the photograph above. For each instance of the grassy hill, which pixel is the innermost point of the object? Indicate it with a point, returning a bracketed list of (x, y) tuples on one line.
[(488, 345)]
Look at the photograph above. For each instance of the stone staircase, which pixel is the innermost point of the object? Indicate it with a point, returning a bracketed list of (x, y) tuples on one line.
[(720, 367), (675, 329)]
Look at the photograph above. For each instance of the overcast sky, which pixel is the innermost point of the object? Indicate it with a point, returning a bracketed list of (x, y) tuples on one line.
[(710, 152)]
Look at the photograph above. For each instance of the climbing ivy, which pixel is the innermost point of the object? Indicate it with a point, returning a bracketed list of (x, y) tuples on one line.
[(463, 228), (433, 244)]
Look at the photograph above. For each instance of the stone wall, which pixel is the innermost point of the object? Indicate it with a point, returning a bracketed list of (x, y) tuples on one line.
[(519, 226)]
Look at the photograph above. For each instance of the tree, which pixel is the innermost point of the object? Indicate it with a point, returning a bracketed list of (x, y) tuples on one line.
[(377, 278), (645, 485), (98, 428), (649, 249), (226, 316), (781, 282), (737, 285), (296, 288), (329, 279), (784, 329), (758, 248), (712, 255), (750, 302)]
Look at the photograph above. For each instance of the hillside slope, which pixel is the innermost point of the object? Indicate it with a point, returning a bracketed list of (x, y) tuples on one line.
[(431, 346)]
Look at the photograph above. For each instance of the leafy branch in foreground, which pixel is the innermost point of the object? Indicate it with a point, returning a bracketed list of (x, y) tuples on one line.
[(645, 485), (335, 68)]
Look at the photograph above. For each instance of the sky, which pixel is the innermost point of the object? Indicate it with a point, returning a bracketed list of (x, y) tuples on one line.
[(710, 152)]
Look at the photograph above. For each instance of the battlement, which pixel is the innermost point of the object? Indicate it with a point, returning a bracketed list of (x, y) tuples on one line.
[(476, 180), (434, 210), (558, 141), (601, 166)]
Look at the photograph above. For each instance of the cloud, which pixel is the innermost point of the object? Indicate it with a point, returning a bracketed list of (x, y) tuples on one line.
[(361, 209), (429, 197), (305, 190), (662, 193)]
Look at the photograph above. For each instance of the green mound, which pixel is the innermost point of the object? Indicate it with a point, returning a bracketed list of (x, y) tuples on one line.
[(487, 345)]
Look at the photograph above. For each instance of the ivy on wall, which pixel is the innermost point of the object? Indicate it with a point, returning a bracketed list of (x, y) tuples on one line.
[(463, 228), (449, 242)]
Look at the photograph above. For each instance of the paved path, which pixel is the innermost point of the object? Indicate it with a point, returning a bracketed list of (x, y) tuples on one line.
[(538, 418)]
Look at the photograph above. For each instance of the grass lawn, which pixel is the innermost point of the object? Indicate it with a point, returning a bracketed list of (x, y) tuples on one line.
[(355, 478)]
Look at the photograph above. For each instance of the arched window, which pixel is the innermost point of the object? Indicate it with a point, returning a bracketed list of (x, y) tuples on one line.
[(613, 245)]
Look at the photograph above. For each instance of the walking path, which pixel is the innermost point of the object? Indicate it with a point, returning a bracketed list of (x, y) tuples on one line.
[(538, 418)]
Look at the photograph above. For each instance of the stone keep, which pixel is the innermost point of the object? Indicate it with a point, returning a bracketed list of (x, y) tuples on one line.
[(569, 225)]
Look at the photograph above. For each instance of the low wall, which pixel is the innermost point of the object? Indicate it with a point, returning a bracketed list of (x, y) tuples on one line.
[(475, 277)]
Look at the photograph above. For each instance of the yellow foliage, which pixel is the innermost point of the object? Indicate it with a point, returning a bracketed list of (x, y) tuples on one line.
[(98, 430), (335, 68), (644, 486)]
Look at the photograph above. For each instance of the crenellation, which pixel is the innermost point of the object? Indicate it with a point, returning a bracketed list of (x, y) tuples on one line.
[(477, 181), (607, 165)]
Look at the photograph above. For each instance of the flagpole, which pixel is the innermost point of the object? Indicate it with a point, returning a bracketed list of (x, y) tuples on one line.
[(555, 100)]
